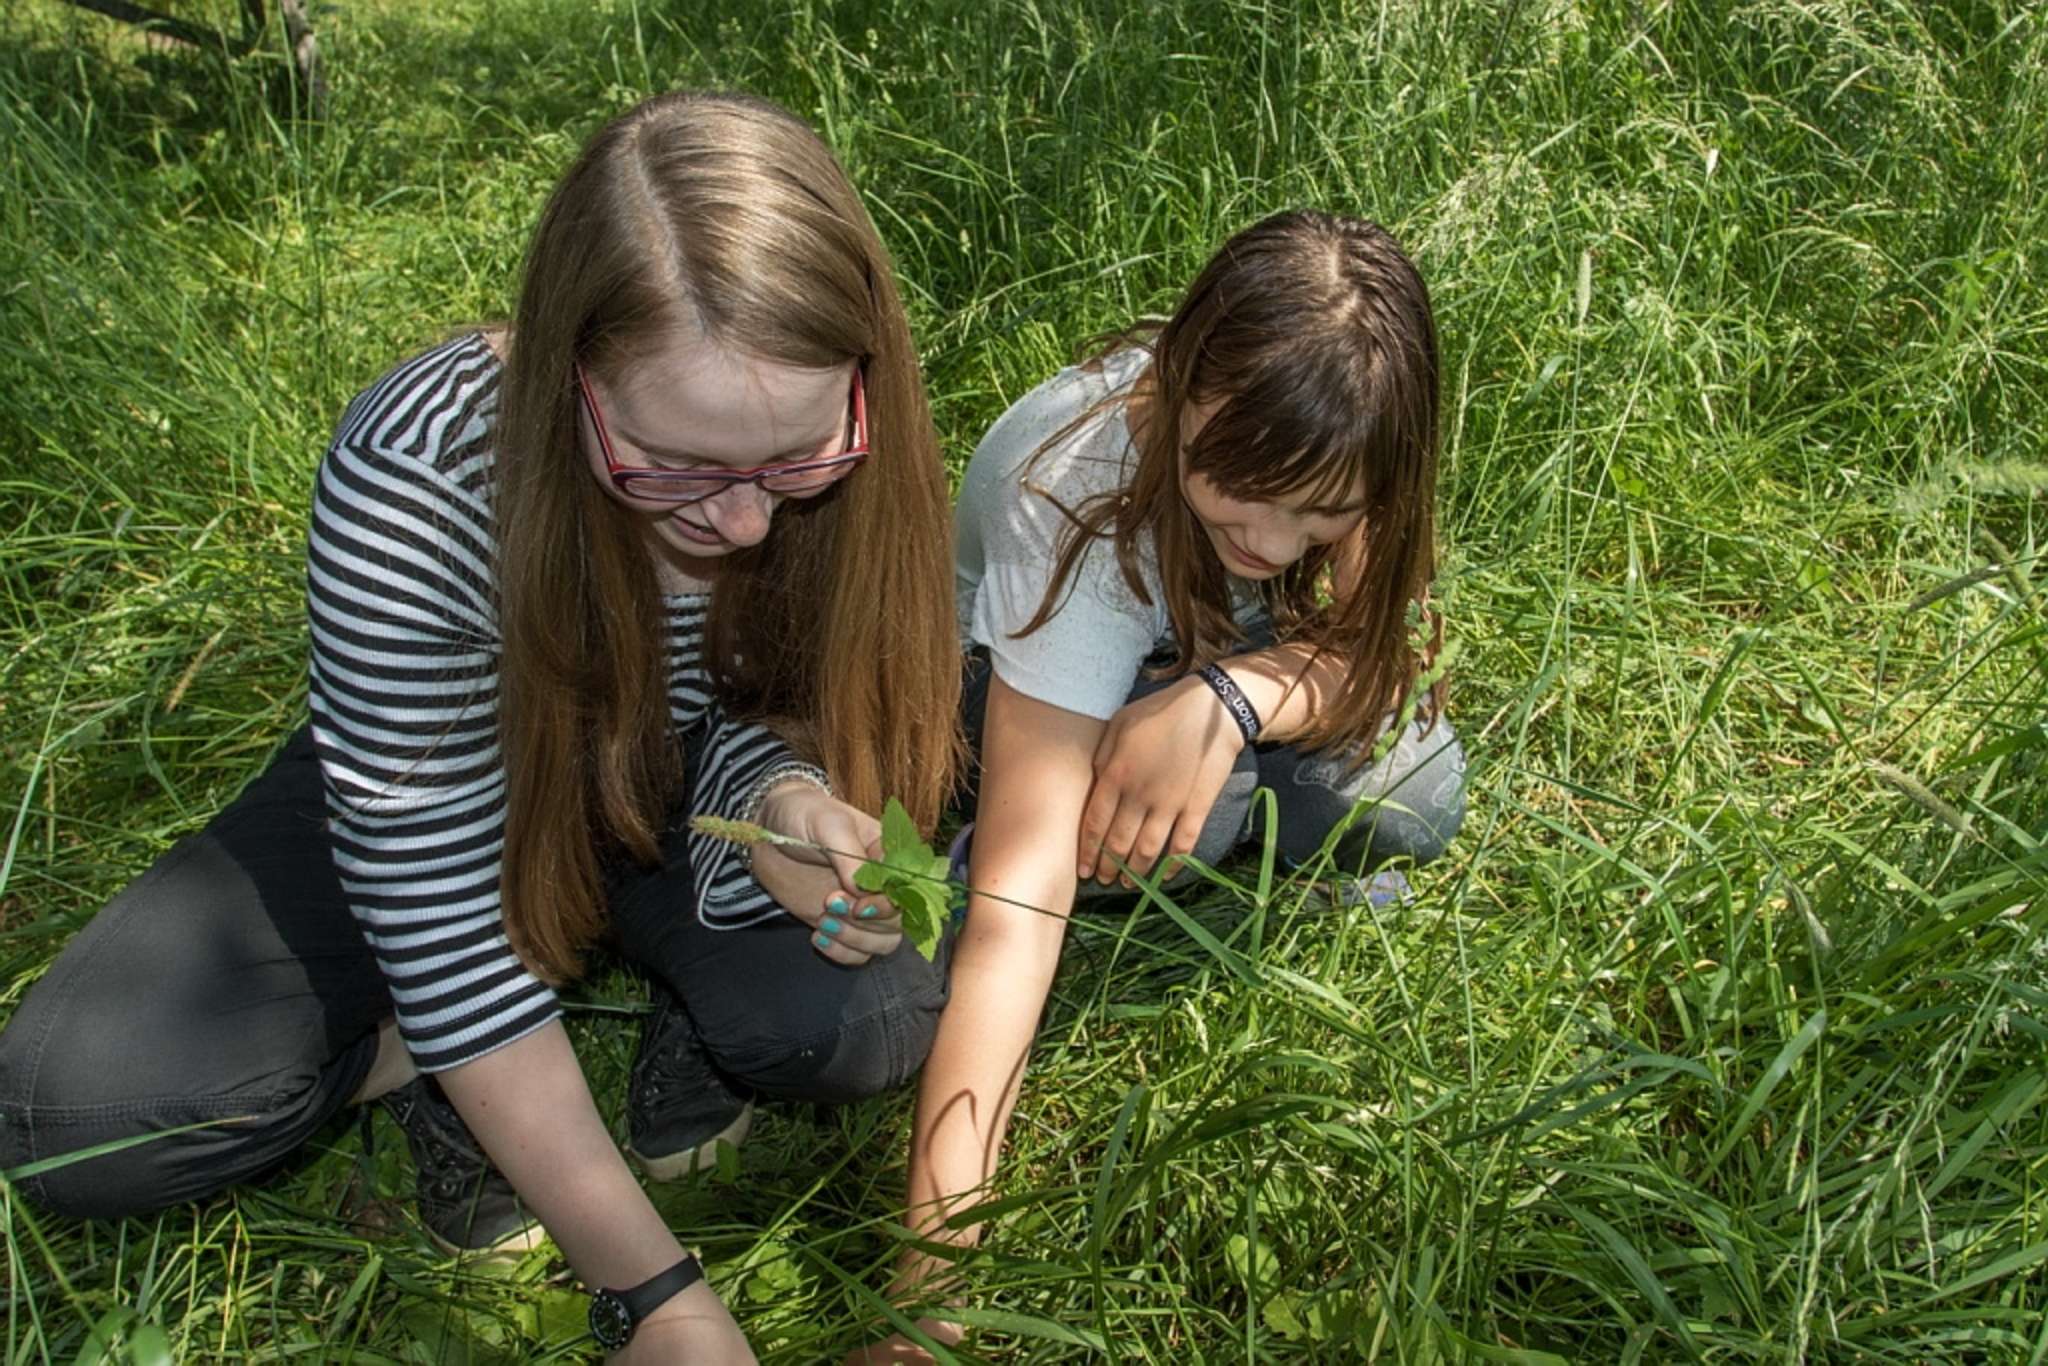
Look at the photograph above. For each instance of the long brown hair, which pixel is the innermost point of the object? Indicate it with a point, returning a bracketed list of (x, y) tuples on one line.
[(724, 214), (1312, 334)]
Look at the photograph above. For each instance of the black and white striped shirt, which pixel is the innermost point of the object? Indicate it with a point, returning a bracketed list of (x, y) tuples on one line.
[(405, 649)]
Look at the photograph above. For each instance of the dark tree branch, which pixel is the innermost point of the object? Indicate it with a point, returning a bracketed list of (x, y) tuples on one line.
[(179, 30), (300, 42)]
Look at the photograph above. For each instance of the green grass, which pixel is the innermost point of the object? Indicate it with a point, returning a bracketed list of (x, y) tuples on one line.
[(1720, 1033)]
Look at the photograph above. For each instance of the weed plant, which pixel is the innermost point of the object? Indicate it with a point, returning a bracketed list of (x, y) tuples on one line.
[(1720, 1033)]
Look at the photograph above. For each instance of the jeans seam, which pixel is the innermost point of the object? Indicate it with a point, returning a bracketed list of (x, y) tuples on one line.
[(891, 1009), (122, 1109)]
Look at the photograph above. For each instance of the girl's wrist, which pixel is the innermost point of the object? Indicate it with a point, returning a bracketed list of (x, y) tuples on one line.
[(762, 802), (1232, 699), (783, 807)]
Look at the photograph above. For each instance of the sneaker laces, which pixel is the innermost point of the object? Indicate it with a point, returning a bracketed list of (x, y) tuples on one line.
[(444, 1153)]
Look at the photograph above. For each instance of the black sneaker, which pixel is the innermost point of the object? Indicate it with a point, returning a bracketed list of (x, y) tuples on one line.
[(678, 1108), (465, 1203)]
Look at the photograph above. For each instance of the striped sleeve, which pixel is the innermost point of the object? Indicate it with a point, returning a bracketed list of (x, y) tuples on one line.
[(730, 760), (404, 696)]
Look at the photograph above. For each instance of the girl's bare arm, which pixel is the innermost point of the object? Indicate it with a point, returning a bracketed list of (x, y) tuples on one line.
[(1286, 684), (1036, 771), (530, 1108)]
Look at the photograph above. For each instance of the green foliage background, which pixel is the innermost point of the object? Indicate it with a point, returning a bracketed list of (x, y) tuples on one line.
[(1719, 1035)]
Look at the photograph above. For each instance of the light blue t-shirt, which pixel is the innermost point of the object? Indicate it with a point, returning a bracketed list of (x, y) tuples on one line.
[(1087, 656)]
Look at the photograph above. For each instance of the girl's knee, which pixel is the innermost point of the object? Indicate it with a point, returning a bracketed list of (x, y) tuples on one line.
[(155, 1172), (73, 1078), (876, 1042), (1407, 806)]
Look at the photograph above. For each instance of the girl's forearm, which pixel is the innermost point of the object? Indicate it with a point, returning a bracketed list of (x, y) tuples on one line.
[(1002, 970), (1036, 772), (530, 1108)]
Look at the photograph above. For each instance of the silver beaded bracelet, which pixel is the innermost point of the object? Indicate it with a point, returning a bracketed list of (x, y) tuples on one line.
[(757, 795)]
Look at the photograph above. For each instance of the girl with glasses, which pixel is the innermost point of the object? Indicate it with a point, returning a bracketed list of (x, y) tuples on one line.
[(673, 541), (1191, 567)]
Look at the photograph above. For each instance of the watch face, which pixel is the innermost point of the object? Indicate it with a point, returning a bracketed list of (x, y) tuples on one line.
[(611, 1322)]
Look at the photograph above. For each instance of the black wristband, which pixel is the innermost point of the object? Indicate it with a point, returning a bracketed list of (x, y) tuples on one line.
[(614, 1314), (1234, 701)]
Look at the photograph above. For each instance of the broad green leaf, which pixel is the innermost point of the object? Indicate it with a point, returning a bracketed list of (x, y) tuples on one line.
[(776, 1278), (912, 877), (900, 837), (147, 1346), (1252, 1261)]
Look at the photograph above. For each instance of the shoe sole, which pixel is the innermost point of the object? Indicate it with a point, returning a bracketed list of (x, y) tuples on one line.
[(676, 1166), (511, 1247)]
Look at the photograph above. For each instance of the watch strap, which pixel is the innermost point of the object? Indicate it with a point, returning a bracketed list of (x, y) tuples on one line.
[(648, 1296)]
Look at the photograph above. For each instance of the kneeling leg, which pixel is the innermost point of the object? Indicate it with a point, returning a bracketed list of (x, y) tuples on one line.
[(226, 988)]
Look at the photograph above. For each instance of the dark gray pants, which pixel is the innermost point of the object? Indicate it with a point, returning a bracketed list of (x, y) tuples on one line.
[(230, 980), (1406, 806)]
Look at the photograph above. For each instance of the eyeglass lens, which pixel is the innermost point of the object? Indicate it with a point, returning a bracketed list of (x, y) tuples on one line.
[(677, 485)]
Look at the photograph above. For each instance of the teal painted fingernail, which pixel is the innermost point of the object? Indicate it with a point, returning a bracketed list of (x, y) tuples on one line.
[(837, 904), (828, 926), (867, 911), (821, 941)]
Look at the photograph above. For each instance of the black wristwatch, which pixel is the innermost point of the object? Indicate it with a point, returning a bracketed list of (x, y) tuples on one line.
[(614, 1314)]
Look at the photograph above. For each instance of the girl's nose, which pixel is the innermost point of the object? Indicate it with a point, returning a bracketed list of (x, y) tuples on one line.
[(740, 514), (1277, 547)]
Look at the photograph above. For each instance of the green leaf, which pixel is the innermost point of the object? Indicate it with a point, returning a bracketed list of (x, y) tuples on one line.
[(558, 1316), (912, 877), (1283, 1315), (1252, 1261), (147, 1346), (1298, 1317), (776, 1278), (924, 931), (900, 837)]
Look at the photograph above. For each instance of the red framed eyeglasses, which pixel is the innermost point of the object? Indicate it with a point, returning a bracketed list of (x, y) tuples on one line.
[(799, 478)]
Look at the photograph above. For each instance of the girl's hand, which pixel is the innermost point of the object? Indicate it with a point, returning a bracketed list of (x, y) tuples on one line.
[(1159, 767), (898, 1348), (690, 1329), (848, 925)]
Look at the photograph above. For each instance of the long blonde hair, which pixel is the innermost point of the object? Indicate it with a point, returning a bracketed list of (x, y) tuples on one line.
[(1312, 333), (724, 214)]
